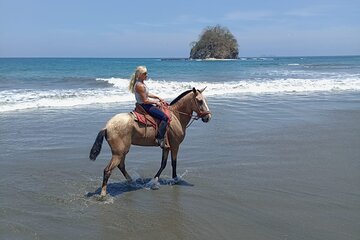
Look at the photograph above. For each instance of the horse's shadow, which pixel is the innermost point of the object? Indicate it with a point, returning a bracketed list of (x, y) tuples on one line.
[(115, 189)]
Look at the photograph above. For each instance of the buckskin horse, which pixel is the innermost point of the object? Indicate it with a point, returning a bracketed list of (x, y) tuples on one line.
[(122, 131)]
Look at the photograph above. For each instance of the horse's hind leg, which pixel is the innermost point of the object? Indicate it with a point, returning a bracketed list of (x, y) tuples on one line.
[(121, 166), (115, 161)]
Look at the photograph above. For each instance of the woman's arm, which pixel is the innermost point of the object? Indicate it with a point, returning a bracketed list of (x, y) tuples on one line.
[(156, 97), (140, 88)]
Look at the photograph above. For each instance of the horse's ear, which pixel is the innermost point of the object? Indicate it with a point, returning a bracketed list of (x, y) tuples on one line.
[(194, 91), (201, 91)]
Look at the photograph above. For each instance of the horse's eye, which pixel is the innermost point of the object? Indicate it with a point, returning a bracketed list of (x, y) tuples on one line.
[(201, 102)]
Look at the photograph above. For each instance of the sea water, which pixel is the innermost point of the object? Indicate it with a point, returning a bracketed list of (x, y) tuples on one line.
[(278, 160), (40, 83)]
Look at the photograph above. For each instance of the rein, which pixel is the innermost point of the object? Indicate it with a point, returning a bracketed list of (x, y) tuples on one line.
[(192, 117)]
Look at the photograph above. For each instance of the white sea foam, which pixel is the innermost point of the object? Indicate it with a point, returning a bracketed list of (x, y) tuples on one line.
[(12, 100), (120, 83)]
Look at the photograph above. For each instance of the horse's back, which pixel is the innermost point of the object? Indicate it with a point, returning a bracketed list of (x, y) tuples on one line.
[(120, 124)]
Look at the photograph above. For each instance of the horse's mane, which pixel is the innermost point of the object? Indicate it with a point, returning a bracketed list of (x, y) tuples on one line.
[(180, 97)]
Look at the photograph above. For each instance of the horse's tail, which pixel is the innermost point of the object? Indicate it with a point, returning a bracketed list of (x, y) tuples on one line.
[(96, 148)]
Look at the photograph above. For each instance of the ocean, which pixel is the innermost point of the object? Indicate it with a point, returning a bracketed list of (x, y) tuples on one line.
[(278, 160), (36, 84)]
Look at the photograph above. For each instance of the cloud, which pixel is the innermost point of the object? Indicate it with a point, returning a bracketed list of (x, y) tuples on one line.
[(151, 25), (261, 15), (188, 19), (313, 11), (249, 15)]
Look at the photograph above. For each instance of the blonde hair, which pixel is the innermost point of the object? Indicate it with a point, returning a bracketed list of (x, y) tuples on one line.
[(139, 70)]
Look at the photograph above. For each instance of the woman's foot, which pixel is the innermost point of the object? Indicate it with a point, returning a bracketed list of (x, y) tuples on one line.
[(160, 142)]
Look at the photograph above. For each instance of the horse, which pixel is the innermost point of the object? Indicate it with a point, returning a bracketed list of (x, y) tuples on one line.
[(122, 131)]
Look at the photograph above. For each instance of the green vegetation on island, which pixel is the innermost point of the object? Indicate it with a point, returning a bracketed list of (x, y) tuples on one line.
[(215, 43)]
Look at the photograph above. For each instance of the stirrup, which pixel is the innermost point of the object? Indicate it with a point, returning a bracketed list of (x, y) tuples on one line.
[(160, 142)]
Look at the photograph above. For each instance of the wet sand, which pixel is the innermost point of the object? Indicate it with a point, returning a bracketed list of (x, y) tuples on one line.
[(261, 169)]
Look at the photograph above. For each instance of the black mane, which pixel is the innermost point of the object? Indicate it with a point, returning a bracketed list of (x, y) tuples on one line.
[(180, 96)]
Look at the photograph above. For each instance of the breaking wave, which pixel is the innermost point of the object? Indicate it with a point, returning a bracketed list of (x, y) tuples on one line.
[(20, 99)]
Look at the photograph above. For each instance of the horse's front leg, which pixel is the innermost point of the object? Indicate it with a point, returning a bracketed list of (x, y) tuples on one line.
[(165, 154), (154, 183), (174, 152)]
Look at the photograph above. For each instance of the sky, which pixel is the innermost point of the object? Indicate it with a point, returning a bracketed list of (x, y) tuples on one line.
[(166, 28)]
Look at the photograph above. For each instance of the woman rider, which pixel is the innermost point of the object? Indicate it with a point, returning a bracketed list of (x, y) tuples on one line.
[(148, 101)]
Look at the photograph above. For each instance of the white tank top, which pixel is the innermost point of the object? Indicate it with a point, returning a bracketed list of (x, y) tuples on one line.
[(137, 95)]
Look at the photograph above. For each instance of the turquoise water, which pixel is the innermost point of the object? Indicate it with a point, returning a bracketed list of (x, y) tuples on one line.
[(33, 83)]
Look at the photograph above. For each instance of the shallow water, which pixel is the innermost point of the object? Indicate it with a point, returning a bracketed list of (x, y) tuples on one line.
[(261, 169)]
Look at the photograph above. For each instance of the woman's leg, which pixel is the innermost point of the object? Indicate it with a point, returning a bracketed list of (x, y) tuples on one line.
[(157, 113)]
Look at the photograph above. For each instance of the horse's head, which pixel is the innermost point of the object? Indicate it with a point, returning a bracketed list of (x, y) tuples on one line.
[(200, 105)]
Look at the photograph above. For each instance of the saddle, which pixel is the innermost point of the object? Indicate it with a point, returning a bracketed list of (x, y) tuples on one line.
[(141, 116)]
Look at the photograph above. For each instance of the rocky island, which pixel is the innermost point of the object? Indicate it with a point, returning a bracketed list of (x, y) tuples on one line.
[(215, 43)]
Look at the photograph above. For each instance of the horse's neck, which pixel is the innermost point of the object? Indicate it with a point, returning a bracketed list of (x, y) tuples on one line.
[(182, 111)]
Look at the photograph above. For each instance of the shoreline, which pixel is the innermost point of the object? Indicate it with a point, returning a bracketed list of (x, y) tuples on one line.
[(217, 59)]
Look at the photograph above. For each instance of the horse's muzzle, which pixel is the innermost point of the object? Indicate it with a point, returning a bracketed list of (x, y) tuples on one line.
[(206, 118)]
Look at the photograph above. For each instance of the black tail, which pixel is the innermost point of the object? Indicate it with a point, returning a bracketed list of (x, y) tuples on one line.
[(96, 148)]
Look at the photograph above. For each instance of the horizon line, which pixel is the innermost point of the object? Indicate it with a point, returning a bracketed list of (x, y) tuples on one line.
[(103, 57)]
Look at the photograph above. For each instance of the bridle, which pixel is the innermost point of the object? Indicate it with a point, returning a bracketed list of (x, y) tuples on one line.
[(200, 113)]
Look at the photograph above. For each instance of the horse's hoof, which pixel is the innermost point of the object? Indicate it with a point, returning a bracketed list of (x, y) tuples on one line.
[(175, 180), (101, 198), (154, 184)]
